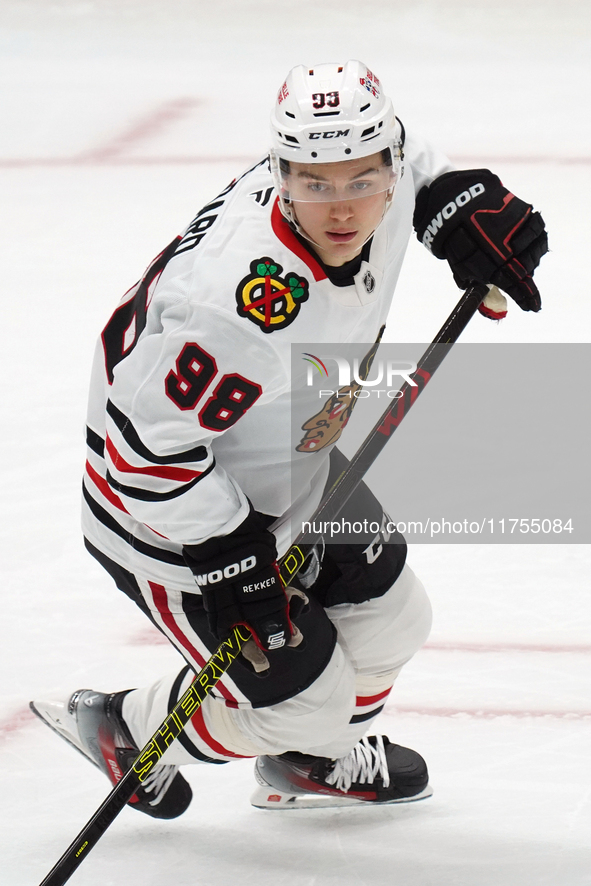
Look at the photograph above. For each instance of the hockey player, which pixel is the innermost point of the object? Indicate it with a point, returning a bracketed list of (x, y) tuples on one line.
[(187, 499)]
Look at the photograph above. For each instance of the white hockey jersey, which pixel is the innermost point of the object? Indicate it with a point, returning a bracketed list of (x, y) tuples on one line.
[(189, 409)]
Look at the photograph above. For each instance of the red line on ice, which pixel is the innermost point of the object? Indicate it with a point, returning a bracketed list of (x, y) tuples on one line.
[(150, 636), (34, 162), (19, 720), (110, 155), (141, 131), (485, 713), (443, 646)]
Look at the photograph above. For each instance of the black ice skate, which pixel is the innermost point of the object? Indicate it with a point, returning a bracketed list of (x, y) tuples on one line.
[(92, 723), (375, 771)]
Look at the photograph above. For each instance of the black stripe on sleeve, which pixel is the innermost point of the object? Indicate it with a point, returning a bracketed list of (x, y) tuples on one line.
[(143, 547), (149, 495), (132, 438), (359, 718), (95, 442)]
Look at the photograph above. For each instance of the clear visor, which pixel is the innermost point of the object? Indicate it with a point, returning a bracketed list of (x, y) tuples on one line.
[(333, 182)]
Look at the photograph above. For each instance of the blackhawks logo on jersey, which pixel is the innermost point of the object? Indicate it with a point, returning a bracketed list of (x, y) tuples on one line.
[(268, 299)]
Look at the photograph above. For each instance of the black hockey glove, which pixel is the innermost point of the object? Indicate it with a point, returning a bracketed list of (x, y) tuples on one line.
[(484, 231), (239, 580)]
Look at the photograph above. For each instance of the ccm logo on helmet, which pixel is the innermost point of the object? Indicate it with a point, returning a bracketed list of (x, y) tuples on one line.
[(336, 133), (450, 209), (211, 578)]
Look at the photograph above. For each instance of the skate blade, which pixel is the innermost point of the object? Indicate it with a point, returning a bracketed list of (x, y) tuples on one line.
[(55, 715), (270, 798)]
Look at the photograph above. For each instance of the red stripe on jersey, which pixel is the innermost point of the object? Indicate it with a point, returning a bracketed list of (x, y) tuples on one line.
[(198, 723), (161, 601), (363, 700), (284, 233), (181, 474), (104, 487), (151, 528), (108, 493)]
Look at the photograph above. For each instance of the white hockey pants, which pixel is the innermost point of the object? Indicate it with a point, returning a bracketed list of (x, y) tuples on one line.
[(374, 640)]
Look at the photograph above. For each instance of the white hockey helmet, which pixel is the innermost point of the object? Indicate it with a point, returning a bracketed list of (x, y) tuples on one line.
[(328, 114)]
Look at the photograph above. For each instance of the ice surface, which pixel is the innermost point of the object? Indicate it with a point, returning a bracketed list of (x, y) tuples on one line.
[(120, 118)]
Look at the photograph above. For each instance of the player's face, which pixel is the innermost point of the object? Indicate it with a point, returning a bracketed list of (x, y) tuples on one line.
[(339, 205)]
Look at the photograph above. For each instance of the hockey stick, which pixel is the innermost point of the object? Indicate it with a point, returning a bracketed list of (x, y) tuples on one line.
[(289, 566)]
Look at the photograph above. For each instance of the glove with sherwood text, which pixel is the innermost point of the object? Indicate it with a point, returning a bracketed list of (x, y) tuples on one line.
[(239, 580), (484, 231)]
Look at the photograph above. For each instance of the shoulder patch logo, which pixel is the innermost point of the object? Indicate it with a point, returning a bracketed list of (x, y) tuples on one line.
[(268, 299)]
